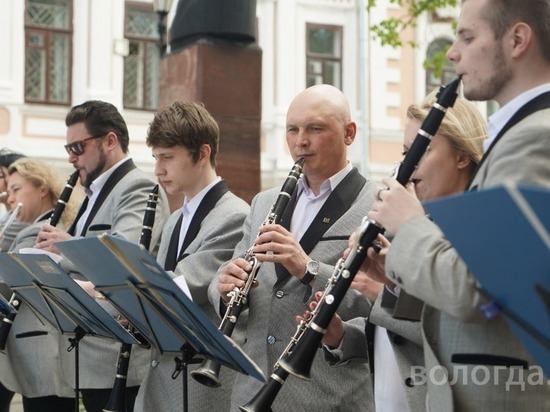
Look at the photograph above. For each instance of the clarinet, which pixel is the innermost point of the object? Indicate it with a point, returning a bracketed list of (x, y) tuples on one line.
[(264, 398), (208, 373), (310, 332), (117, 399), (52, 220), (63, 200)]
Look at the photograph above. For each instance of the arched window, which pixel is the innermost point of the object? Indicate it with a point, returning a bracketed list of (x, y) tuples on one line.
[(436, 60), (48, 51)]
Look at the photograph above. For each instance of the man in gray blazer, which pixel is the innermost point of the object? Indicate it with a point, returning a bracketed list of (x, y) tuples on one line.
[(298, 256), (116, 199), (474, 362), (196, 240)]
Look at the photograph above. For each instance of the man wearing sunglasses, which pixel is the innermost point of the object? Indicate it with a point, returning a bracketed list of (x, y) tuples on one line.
[(116, 197)]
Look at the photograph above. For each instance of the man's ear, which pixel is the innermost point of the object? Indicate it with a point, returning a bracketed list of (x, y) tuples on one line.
[(204, 152), (351, 130), (521, 39), (112, 140)]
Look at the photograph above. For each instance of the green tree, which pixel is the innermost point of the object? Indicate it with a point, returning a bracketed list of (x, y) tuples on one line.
[(388, 31)]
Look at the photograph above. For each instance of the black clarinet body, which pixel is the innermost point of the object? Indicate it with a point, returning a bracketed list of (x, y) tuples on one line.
[(208, 373), (52, 220), (311, 331), (264, 398), (63, 199), (149, 218), (117, 399)]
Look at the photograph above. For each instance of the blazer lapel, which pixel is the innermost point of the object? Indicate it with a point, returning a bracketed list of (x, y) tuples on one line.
[(207, 204), (335, 206), (540, 102), (172, 252), (83, 207), (115, 177)]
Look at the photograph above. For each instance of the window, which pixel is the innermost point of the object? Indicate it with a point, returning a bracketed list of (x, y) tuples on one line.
[(48, 48), (324, 55), (141, 66), (435, 57)]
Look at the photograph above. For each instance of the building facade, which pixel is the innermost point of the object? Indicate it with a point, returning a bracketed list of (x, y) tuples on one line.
[(58, 53)]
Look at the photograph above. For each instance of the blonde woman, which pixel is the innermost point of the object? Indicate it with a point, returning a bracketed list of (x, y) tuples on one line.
[(37, 186), (393, 342)]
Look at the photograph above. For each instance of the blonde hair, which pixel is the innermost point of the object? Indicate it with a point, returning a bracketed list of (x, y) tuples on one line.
[(41, 174), (463, 125)]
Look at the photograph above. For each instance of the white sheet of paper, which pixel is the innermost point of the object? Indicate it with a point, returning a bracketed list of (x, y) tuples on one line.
[(34, 251), (182, 284)]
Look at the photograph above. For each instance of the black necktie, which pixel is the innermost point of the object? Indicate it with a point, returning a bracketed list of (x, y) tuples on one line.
[(172, 253)]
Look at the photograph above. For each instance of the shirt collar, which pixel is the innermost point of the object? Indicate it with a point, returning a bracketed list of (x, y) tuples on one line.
[(193, 204), (328, 185), (100, 181), (505, 113)]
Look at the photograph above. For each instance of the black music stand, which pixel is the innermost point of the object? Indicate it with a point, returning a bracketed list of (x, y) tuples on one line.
[(133, 281), (56, 297), (502, 234)]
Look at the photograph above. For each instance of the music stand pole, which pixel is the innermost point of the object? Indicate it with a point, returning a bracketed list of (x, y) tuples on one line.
[(78, 335), (182, 365)]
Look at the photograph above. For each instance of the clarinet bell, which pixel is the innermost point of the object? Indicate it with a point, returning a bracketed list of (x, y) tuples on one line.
[(208, 374)]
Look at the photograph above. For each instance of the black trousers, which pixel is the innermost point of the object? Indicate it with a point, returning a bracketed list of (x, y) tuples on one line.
[(96, 399), (48, 403), (5, 398)]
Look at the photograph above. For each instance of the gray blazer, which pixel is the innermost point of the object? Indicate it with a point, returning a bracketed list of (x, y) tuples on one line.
[(5, 243), (406, 342), (120, 214), (25, 362), (273, 305), (11, 232), (219, 232), (456, 334)]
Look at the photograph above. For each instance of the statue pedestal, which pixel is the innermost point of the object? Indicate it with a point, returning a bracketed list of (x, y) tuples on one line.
[(226, 78)]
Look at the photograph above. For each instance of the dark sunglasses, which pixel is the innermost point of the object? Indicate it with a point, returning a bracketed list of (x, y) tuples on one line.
[(77, 148)]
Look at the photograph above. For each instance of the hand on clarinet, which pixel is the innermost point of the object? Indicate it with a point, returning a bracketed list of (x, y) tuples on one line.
[(335, 330), (395, 205), (233, 275), (276, 244), (371, 277), (49, 235)]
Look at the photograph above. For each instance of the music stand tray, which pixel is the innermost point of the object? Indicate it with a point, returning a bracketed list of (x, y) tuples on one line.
[(502, 234), (53, 295), (133, 281)]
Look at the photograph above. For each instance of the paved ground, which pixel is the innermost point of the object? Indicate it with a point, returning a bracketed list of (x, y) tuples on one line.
[(16, 405)]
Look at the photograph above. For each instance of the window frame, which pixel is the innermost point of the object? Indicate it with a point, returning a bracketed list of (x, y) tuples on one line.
[(324, 58), (143, 41), (48, 32), (448, 71)]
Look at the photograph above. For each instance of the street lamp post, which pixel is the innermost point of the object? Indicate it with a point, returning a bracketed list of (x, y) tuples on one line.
[(162, 7)]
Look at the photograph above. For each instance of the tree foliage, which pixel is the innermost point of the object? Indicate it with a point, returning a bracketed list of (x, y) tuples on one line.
[(388, 31)]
